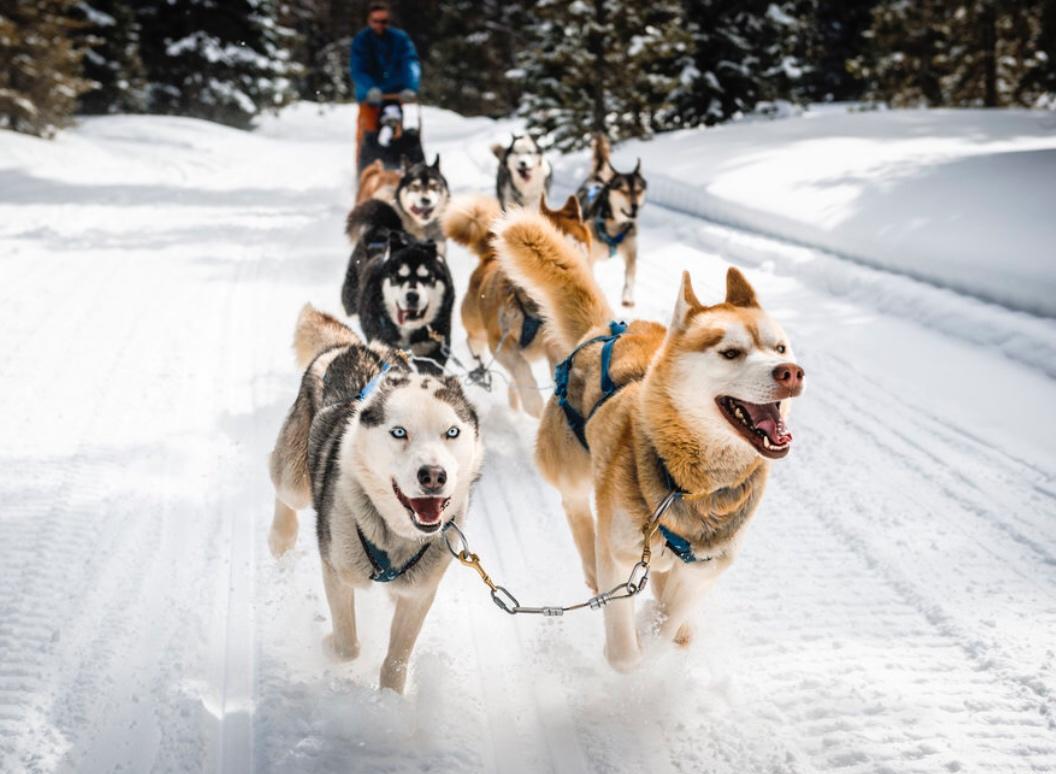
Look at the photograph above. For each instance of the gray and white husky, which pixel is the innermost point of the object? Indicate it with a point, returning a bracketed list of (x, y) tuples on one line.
[(421, 198), (524, 173), (388, 458), (610, 201)]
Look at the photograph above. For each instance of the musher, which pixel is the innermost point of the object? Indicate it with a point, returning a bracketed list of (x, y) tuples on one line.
[(383, 61)]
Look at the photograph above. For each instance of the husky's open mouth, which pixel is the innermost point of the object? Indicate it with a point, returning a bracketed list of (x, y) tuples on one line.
[(760, 423), (526, 174), (409, 315), (422, 213), (425, 512)]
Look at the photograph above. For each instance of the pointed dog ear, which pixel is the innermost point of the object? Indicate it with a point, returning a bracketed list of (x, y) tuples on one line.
[(498, 151), (571, 210), (436, 163), (738, 291), (685, 305), (638, 167), (405, 164)]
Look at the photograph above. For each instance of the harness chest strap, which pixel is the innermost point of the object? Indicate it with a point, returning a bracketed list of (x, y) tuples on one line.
[(379, 560), (576, 421)]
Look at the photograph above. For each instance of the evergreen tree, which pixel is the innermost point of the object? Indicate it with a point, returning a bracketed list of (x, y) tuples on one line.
[(112, 62), (602, 66), (744, 52), (319, 48), (965, 52), (471, 66), (223, 61), (836, 38), (39, 66)]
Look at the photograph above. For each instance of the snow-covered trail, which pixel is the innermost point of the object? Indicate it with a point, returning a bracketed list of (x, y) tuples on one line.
[(893, 609)]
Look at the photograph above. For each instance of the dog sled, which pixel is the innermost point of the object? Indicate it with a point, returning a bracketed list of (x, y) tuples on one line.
[(393, 141)]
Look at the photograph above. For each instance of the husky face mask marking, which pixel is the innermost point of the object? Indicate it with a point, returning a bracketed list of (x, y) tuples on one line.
[(735, 370), (524, 161), (423, 192), (626, 193), (413, 288), (416, 459)]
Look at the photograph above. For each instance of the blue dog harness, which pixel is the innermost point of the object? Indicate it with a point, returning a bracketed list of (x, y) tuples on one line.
[(679, 546), (531, 325), (613, 242), (384, 572), (577, 421), (372, 385)]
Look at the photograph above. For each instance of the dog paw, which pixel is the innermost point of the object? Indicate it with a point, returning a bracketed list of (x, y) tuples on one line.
[(393, 676), (684, 636), (280, 542), (340, 651)]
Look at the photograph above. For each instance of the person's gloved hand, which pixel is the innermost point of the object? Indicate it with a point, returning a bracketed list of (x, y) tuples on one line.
[(374, 96), (408, 95)]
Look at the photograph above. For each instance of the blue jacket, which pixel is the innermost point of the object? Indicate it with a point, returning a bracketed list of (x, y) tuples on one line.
[(388, 61)]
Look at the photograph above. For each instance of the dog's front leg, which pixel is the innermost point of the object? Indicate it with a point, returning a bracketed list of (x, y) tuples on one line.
[(622, 649), (681, 593), (630, 261), (342, 600), (407, 623)]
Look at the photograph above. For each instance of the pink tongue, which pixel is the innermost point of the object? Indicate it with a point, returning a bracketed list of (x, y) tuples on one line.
[(767, 419), (401, 315), (428, 508)]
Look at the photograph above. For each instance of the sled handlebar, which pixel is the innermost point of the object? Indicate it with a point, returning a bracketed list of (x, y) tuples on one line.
[(398, 98)]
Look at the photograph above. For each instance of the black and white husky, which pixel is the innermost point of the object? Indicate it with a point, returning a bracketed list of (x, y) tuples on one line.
[(420, 200), (388, 458), (401, 289), (610, 201), (524, 173)]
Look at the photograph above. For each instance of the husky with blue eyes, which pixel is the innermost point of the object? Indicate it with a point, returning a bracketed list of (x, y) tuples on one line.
[(388, 458)]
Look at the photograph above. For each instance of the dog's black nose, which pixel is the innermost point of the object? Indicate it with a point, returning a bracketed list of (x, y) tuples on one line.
[(427, 202), (432, 477), (412, 298)]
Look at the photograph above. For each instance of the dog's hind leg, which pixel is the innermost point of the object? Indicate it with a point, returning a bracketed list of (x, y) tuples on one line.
[(342, 600), (523, 379), (407, 623)]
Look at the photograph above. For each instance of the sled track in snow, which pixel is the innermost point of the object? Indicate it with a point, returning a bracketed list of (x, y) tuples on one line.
[(887, 613)]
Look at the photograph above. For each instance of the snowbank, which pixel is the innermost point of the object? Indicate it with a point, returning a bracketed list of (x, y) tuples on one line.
[(959, 198)]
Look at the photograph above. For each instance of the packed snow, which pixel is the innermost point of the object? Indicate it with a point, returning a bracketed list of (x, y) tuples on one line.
[(892, 610), (961, 198)]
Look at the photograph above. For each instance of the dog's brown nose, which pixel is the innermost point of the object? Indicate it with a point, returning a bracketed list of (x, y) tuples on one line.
[(432, 478), (789, 376)]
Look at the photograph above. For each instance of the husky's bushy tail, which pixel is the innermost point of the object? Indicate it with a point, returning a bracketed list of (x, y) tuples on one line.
[(317, 332), (537, 257), (371, 213), (602, 151), (468, 221)]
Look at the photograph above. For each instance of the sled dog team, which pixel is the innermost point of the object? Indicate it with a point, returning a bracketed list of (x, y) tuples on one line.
[(384, 444)]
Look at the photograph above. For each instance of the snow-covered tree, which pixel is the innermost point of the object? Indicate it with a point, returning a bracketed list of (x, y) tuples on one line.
[(318, 48), (221, 60), (602, 66), (471, 61), (40, 66), (955, 52), (834, 36), (744, 52), (112, 62)]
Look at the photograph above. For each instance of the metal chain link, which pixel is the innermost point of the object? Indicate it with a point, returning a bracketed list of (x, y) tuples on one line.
[(507, 602)]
